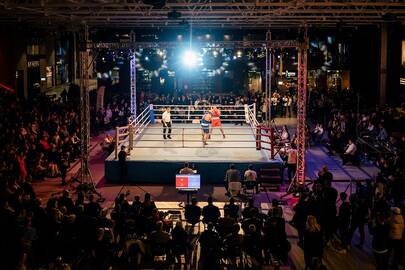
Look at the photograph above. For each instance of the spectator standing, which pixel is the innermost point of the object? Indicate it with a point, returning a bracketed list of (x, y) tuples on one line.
[(344, 220), (193, 212), (396, 223), (122, 161), (313, 242), (231, 175), (380, 231), (291, 163), (250, 176)]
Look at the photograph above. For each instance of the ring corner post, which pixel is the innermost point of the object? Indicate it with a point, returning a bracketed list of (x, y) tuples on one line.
[(246, 107), (151, 114), (130, 138), (258, 138), (116, 141), (271, 142)]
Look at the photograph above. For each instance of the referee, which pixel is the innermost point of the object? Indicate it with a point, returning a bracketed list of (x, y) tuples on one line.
[(167, 123)]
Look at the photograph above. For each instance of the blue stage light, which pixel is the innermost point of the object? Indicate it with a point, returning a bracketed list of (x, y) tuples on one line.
[(190, 58)]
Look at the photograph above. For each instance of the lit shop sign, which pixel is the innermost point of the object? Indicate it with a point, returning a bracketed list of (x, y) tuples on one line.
[(289, 73), (33, 64), (402, 81)]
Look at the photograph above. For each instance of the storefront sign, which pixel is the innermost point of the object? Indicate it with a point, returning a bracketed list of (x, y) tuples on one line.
[(33, 64)]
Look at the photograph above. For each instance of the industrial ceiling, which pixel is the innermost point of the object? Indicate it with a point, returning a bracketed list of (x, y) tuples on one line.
[(201, 13)]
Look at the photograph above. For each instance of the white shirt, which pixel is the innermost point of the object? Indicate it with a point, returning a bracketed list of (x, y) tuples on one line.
[(351, 149), (250, 175), (166, 117)]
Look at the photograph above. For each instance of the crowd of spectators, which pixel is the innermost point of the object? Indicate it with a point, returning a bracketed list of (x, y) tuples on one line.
[(378, 205), (80, 233), (39, 139), (348, 129), (114, 114)]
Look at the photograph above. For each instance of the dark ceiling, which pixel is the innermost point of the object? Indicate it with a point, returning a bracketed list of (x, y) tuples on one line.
[(201, 13)]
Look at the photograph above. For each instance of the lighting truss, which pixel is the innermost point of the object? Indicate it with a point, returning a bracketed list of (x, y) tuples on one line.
[(202, 13)]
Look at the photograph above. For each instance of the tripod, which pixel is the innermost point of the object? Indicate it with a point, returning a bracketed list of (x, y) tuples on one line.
[(294, 188), (86, 185)]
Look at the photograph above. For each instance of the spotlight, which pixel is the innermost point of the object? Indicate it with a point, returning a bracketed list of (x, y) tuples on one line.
[(215, 53), (190, 58), (146, 58), (239, 54)]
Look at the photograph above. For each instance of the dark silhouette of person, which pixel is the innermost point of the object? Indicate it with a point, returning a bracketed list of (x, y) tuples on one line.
[(122, 162)]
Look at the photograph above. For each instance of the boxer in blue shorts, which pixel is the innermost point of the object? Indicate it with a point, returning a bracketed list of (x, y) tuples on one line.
[(205, 126)]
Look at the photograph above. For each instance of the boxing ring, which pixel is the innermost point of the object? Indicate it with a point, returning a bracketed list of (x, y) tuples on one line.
[(153, 159)]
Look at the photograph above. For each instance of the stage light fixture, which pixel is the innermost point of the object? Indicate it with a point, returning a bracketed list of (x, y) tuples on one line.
[(189, 58)]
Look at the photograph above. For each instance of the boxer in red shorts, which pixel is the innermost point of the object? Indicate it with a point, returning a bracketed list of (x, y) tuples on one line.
[(215, 120)]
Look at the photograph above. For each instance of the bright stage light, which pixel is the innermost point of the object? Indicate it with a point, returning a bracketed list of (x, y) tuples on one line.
[(190, 58)]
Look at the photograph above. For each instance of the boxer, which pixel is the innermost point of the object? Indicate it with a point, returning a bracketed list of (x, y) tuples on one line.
[(216, 120), (205, 127)]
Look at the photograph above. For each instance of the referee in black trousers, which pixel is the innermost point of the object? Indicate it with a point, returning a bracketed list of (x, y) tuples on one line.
[(167, 123)]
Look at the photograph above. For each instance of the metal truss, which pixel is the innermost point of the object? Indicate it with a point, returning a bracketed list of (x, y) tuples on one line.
[(85, 175), (132, 70), (271, 44), (301, 111), (201, 13)]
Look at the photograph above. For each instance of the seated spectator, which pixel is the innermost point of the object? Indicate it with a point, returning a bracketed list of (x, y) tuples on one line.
[(66, 201), (317, 133), (103, 248), (159, 240), (232, 209), (93, 208), (276, 210), (246, 212), (370, 130), (252, 245), (285, 135), (147, 206), (180, 245), (108, 144), (275, 238), (382, 133), (350, 153), (210, 248), (224, 226), (233, 244), (193, 212), (254, 218), (210, 212), (186, 169)]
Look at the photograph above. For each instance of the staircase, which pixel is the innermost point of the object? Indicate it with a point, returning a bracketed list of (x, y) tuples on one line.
[(270, 178)]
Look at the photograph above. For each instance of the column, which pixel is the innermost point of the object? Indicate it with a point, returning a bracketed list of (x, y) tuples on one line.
[(382, 87)]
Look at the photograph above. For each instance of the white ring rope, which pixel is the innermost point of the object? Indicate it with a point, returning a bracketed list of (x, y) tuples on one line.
[(136, 126)]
